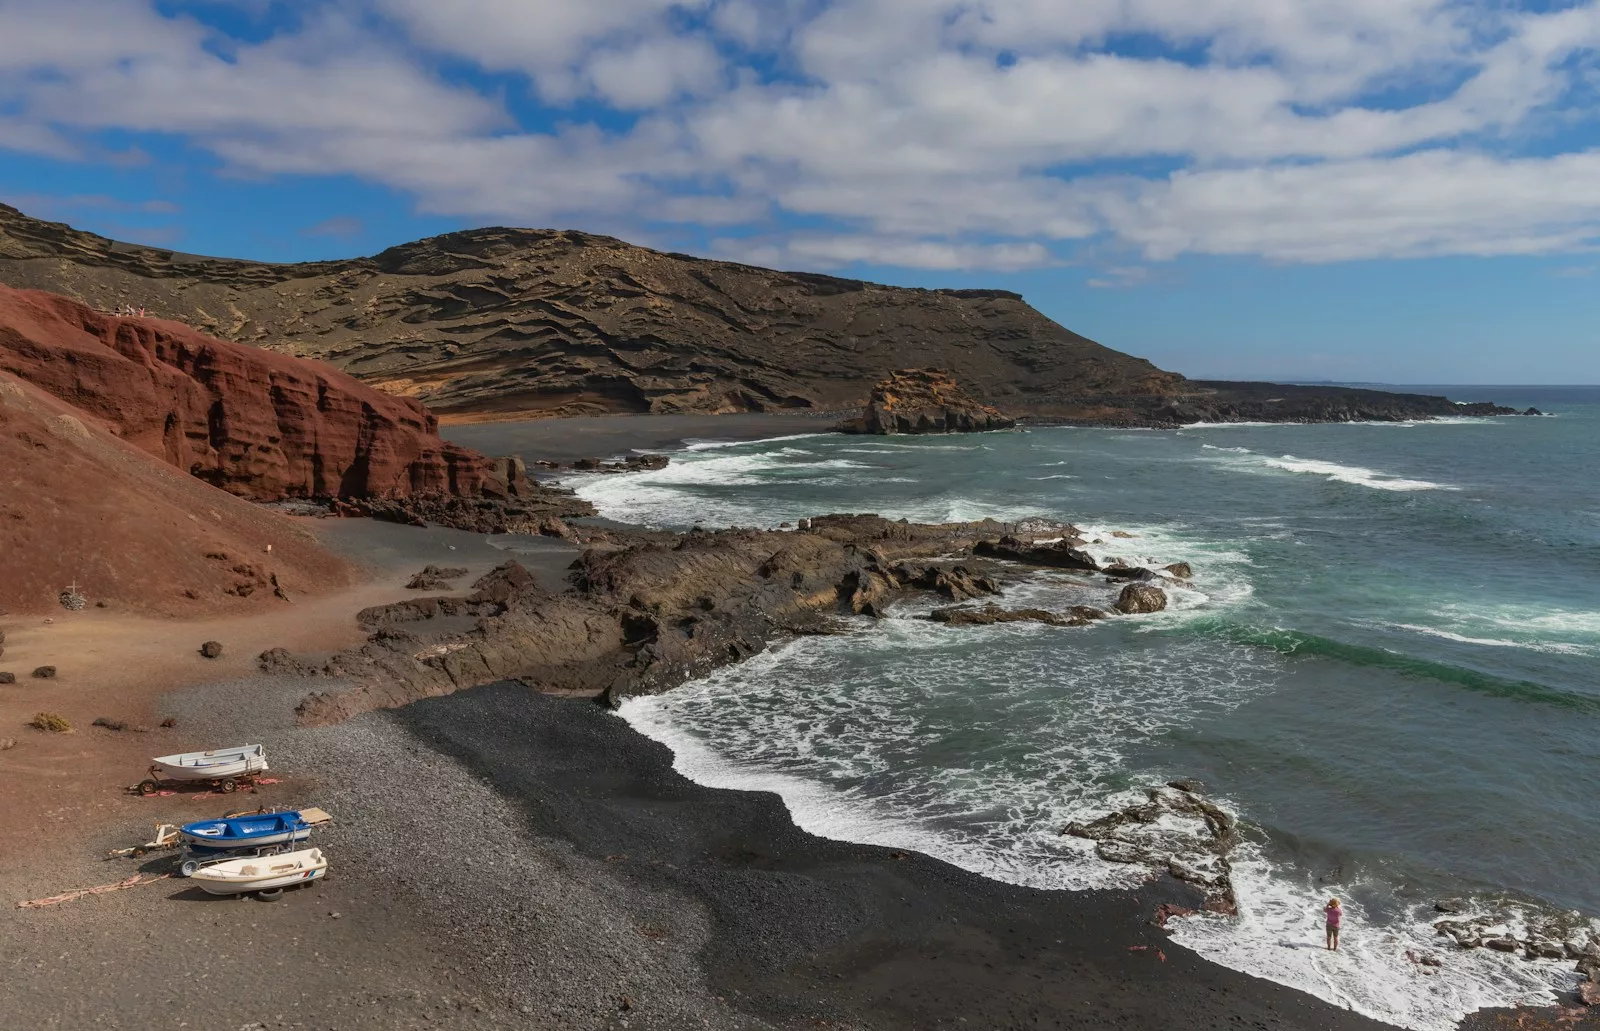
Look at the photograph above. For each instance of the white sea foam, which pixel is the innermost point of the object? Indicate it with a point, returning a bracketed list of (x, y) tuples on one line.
[(1548, 647), (1352, 474), (1278, 936), (697, 444), (1544, 627)]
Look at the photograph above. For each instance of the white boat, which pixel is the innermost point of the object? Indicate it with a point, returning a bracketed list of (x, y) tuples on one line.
[(265, 874), (214, 765)]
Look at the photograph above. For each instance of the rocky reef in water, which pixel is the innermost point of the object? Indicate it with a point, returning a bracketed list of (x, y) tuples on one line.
[(647, 611), (924, 401)]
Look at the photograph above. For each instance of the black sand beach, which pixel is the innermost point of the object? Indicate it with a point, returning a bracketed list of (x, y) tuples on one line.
[(807, 931)]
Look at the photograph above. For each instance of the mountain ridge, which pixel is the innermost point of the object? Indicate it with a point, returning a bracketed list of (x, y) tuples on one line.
[(500, 323)]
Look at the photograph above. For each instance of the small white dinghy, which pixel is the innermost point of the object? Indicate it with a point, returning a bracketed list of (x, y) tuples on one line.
[(219, 765), (267, 874)]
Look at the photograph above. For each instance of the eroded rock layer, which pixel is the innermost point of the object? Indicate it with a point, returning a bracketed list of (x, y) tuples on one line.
[(257, 424), (925, 401)]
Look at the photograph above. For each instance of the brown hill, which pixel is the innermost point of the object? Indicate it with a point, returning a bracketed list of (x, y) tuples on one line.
[(78, 504), (257, 424), (500, 322)]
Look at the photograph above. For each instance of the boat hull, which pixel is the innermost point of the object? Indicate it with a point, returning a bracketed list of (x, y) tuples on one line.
[(219, 764), (245, 831), (201, 843), (240, 876)]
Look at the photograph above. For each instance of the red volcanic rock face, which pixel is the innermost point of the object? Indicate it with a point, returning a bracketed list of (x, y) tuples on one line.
[(257, 424)]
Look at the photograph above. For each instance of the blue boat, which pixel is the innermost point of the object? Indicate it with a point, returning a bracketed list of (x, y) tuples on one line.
[(245, 831)]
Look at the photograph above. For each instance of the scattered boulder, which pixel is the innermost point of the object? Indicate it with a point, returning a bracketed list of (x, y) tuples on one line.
[(53, 722), (1180, 570), (1588, 991), (505, 583), (8, 678), (109, 724), (435, 578), (211, 649), (168, 722), (45, 672), (1503, 943), (1122, 572), (7, 743), (279, 662), (1141, 598), (73, 601), (925, 401)]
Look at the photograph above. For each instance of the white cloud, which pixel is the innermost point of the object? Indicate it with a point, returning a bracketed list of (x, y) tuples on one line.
[(1421, 205), (653, 72), (928, 133)]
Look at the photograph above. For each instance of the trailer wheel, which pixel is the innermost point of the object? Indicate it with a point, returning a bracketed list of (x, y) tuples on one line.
[(188, 868), (228, 786), (148, 787), (270, 895)]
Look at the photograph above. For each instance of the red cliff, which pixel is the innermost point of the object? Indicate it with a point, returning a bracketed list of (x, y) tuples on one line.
[(257, 424)]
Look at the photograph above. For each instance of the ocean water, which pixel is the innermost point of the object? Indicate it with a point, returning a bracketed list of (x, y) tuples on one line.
[(1387, 667)]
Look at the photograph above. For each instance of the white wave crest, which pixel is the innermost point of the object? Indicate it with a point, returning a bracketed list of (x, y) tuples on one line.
[(1548, 647)]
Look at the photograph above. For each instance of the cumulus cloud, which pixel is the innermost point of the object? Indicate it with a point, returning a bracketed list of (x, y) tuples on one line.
[(942, 134)]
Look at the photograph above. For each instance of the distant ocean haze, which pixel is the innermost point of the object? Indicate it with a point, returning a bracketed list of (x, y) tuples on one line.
[(1384, 666)]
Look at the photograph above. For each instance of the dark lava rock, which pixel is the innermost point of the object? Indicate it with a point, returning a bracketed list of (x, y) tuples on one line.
[(45, 672), (435, 578), (8, 678), (280, 662), (1139, 573), (1139, 598), (925, 401), (211, 649), (991, 614), (536, 510), (1060, 555)]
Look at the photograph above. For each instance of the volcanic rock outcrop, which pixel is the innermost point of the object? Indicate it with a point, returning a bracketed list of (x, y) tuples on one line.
[(81, 506), (257, 424), (648, 613), (924, 401)]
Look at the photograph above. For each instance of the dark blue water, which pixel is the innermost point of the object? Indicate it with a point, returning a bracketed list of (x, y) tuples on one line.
[(1387, 667)]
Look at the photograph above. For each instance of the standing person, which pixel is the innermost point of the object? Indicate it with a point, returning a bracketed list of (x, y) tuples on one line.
[(1335, 915)]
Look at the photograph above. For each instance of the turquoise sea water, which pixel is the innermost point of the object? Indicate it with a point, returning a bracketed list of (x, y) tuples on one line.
[(1387, 667)]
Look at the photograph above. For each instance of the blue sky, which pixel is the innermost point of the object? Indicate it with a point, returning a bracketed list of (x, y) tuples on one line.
[(1374, 190)]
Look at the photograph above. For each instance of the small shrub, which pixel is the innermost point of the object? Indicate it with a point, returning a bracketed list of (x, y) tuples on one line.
[(50, 721)]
